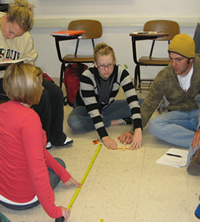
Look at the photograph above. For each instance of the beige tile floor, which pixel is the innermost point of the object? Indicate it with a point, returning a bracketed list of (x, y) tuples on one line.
[(122, 186)]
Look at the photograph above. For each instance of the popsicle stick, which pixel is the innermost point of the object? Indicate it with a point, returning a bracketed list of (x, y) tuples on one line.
[(121, 148), (124, 146)]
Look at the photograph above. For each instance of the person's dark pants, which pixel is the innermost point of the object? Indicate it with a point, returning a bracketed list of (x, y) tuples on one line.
[(3, 95), (54, 180), (3, 218), (50, 110), (43, 109)]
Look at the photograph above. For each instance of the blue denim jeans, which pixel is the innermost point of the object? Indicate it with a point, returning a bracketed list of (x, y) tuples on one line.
[(176, 127), (54, 180), (79, 119)]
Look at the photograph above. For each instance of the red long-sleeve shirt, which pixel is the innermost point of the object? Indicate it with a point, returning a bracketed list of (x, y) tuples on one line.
[(24, 160)]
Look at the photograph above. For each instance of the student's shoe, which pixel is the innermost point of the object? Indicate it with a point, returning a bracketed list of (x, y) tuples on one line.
[(194, 167), (68, 141), (48, 146), (197, 212), (125, 121)]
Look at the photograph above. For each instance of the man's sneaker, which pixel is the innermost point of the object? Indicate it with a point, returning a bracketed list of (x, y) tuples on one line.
[(125, 121), (68, 141), (194, 167), (48, 146)]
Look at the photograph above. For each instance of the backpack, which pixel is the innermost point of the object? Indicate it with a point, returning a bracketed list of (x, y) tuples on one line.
[(72, 81)]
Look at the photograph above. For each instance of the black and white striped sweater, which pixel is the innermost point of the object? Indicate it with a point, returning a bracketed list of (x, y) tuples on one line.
[(88, 95)]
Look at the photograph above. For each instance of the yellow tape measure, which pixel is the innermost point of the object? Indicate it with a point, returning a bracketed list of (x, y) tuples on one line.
[(84, 177)]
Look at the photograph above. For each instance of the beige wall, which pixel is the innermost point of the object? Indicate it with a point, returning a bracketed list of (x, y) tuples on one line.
[(118, 18)]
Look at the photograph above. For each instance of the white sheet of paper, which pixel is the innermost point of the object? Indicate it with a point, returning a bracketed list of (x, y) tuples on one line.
[(144, 32), (174, 160), (12, 61)]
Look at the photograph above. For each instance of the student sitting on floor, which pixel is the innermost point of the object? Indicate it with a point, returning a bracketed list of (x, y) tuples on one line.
[(179, 82), (17, 43), (28, 172), (95, 106)]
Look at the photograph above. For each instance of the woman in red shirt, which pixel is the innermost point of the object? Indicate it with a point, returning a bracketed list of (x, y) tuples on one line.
[(28, 172)]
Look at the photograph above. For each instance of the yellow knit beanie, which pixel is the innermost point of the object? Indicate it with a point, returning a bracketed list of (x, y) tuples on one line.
[(182, 44)]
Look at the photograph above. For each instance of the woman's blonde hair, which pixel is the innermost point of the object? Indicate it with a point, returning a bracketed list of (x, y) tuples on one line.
[(103, 49), (21, 12), (22, 83)]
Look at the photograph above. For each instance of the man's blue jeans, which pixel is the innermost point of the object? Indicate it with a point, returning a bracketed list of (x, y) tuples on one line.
[(176, 127)]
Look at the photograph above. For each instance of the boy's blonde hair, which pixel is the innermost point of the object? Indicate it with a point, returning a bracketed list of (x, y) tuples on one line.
[(21, 12), (103, 49), (22, 83)]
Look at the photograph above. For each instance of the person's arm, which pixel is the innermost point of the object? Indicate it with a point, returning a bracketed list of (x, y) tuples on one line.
[(153, 98), (59, 170), (27, 49), (134, 139), (126, 137), (137, 139), (56, 167), (131, 97), (89, 98), (33, 138), (109, 142), (132, 100)]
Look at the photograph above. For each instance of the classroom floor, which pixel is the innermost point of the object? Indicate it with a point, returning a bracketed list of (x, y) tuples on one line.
[(122, 186)]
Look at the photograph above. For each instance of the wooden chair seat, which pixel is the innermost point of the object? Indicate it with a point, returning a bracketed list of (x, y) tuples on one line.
[(154, 61)]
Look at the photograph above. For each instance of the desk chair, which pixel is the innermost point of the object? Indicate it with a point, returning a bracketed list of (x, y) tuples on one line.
[(165, 26), (197, 39), (93, 30)]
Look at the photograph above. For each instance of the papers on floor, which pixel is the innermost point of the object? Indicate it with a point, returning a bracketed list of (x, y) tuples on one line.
[(174, 157)]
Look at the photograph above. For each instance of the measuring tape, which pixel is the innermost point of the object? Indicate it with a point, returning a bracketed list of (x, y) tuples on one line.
[(61, 219)]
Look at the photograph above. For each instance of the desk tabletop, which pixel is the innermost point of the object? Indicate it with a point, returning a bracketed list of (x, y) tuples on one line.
[(148, 34), (61, 37)]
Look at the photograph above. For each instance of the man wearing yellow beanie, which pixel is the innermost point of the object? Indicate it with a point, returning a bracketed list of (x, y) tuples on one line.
[(179, 82)]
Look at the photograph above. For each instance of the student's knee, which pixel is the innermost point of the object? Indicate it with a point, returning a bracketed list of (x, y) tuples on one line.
[(73, 122), (60, 161), (153, 126)]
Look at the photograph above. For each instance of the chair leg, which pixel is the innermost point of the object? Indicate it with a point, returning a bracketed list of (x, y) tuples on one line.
[(135, 78), (139, 78), (62, 70)]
